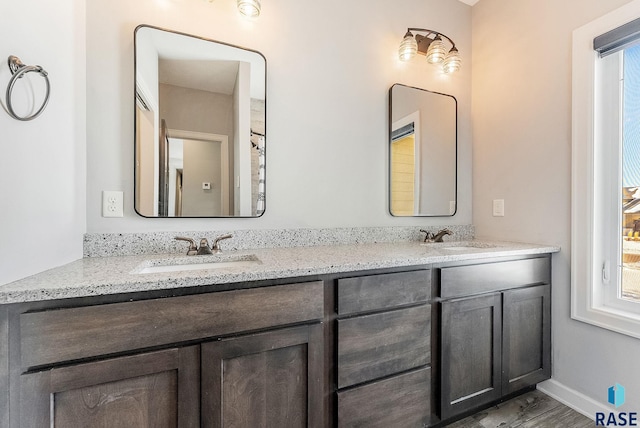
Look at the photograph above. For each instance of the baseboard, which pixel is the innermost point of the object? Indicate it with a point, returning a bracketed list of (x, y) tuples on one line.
[(574, 399)]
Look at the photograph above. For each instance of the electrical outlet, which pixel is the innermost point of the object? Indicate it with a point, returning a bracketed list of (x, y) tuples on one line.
[(498, 207), (112, 204)]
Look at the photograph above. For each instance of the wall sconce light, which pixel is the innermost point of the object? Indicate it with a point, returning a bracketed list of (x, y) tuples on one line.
[(433, 47), (248, 8)]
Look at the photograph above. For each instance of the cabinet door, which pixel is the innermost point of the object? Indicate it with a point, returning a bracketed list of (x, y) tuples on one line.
[(271, 379), (470, 353), (526, 337), (155, 390)]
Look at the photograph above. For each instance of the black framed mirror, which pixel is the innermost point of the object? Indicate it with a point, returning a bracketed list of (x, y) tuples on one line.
[(200, 126), (422, 153)]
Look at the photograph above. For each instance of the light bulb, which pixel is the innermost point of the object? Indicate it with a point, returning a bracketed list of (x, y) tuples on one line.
[(436, 51), (452, 62), (249, 8), (408, 47)]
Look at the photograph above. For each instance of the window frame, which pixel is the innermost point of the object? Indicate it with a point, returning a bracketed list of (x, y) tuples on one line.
[(594, 184)]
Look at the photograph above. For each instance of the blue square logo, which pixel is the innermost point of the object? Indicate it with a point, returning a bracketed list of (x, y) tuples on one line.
[(616, 395)]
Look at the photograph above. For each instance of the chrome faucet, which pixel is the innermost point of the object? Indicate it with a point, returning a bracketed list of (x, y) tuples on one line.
[(436, 237), (204, 248)]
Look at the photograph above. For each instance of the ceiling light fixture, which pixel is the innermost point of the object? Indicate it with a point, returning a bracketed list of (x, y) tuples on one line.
[(249, 8), (432, 46)]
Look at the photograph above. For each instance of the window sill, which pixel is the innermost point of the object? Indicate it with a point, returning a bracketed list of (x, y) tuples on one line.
[(623, 322)]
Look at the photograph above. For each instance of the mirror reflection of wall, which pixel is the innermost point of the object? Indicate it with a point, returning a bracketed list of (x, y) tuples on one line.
[(208, 158), (422, 152)]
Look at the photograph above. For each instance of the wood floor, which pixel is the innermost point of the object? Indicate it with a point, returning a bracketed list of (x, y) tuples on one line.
[(531, 410)]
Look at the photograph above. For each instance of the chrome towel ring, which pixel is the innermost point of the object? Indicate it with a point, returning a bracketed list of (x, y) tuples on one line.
[(18, 70)]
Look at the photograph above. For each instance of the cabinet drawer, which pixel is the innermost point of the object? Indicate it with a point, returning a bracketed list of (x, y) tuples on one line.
[(482, 278), (69, 334), (374, 292), (373, 346), (401, 401)]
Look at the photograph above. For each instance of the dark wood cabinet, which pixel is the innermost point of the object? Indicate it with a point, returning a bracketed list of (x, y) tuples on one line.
[(496, 341), (383, 292), (53, 336), (271, 379), (400, 401), (526, 355), (384, 350), (154, 390), (378, 345), (471, 350), (252, 358)]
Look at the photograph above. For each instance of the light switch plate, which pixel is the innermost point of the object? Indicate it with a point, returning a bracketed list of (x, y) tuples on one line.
[(112, 203), (498, 207)]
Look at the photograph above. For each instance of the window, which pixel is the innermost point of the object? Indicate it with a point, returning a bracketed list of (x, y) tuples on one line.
[(618, 84), (624, 291), (629, 287), (605, 265)]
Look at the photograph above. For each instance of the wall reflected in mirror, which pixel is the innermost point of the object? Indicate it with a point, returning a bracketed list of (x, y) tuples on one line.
[(422, 152), (200, 122)]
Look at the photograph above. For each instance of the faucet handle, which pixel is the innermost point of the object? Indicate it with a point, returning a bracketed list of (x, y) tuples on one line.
[(216, 242), (193, 250), (441, 233)]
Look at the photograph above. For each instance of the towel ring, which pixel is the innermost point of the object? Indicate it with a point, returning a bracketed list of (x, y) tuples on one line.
[(18, 70)]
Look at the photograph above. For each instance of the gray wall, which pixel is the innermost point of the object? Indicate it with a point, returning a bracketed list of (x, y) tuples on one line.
[(201, 164), (197, 111)]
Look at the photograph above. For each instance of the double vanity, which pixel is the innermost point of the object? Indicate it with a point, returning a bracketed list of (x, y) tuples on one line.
[(370, 335)]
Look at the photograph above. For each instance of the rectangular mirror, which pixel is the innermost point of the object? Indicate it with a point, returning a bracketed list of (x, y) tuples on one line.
[(200, 120), (422, 152)]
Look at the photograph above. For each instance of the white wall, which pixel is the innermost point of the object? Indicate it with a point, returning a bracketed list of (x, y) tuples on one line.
[(329, 66), (43, 170), (522, 154)]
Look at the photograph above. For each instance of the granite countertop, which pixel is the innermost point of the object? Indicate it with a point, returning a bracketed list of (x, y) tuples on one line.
[(113, 275)]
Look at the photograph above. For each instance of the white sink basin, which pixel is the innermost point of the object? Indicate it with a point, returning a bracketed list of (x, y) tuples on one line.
[(196, 263), (466, 246), (461, 245), (458, 248)]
